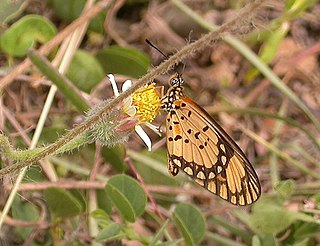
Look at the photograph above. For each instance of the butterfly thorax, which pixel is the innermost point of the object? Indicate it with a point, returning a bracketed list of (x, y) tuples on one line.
[(174, 93)]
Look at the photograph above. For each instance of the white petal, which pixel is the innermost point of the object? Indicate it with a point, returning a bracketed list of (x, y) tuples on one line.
[(114, 84), (127, 102), (126, 85), (131, 111), (154, 128), (143, 135), (128, 108)]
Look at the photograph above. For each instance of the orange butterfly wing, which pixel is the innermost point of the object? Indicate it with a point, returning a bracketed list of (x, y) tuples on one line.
[(203, 150)]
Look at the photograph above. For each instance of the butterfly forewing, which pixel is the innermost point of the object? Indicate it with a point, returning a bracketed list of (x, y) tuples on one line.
[(203, 150)]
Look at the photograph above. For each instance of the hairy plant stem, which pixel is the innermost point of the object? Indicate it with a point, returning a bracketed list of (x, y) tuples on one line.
[(243, 18)]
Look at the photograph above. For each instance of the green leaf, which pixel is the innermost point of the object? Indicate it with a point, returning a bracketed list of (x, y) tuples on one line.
[(85, 71), (62, 83), (110, 232), (296, 7), (266, 213), (265, 217), (127, 195), (152, 166), (115, 156), (24, 34), (316, 197), (285, 188), (131, 62), (269, 240), (104, 201), (302, 242), (101, 217), (57, 128), (234, 229), (67, 10), (10, 9), (304, 230), (24, 211), (171, 243), (62, 203), (71, 10), (35, 174), (159, 234), (190, 222), (255, 241), (269, 49)]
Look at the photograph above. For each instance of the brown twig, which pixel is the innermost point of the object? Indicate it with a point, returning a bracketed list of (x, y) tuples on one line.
[(62, 184), (66, 184)]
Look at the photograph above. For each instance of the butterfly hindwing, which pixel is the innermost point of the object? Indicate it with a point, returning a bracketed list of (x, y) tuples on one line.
[(204, 151)]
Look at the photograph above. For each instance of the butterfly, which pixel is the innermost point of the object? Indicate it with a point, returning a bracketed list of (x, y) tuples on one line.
[(199, 147)]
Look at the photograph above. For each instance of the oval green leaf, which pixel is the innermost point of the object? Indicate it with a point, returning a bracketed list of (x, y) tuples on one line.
[(67, 10), (24, 34), (127, 195), (190, 222), (85, 71), (24, 211), (104, 203), (11, 9), (265, 217), (285, 188), (101, 217), (125, 61), (269, 49), (62, 203), (159, 234), (72, 9), (115, 156), (110, 232)]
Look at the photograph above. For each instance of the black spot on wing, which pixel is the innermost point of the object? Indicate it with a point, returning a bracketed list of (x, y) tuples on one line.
[(206, 128), (176, 138)]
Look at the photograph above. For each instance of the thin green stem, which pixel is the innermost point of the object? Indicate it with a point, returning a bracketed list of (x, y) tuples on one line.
[(64, 85), (221, 240), (274, 170)]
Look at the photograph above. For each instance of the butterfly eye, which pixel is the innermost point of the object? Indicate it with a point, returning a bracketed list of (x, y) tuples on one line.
[(176, 80)]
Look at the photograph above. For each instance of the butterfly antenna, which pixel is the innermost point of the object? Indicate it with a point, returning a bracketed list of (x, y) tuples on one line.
[(166, 56), (156, 48)]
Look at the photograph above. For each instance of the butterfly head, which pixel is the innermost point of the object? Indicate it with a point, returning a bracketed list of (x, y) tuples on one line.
[(176, 80)]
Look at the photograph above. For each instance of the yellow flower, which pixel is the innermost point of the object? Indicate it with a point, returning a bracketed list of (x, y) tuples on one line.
[(144, 104), (146, 100)]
